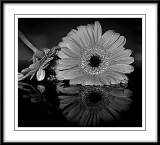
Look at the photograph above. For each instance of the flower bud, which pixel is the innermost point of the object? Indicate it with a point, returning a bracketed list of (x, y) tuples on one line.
[(39, 54)]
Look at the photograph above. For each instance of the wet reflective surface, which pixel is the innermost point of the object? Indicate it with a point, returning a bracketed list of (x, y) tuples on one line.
[(57, 104), (94, 105)]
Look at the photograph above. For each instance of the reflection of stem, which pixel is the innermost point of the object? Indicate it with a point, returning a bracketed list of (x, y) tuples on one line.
[(26, 41)]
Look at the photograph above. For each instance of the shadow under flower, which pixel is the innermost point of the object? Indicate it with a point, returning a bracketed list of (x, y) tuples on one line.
[(91, 105)]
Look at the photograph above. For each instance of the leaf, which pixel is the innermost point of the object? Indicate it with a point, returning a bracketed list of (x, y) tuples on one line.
[(40, 74)]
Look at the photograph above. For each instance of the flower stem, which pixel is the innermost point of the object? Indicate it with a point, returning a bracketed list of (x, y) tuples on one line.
[(26, 41)]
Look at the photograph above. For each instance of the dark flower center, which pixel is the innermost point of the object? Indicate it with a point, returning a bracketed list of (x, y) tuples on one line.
[(94, 61), (94, 97)]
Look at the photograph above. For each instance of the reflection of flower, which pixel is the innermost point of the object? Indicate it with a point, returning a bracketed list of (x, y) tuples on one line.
[(30, 92), (35, 95), (89, 105), (90, 58)]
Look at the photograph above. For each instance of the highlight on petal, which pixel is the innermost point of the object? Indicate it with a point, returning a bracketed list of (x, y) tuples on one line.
[(70, 48), (112, 77), (112, 41), (84, 35), (40, 74), (70, 74), (98, 31), (94, 104), (64, 67), (122, 54), (69, 61), (122, 68), (99, 59), (106, 37)]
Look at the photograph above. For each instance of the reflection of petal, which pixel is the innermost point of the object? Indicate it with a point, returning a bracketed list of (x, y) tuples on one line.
[(94, 103), (40, 74), (41, 88), (30, 92)]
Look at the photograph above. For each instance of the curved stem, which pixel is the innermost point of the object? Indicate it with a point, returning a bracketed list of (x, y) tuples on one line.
[(26, 41)]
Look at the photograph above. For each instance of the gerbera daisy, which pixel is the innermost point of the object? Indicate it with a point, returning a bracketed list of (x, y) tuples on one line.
[(89, 58), (89, 105)]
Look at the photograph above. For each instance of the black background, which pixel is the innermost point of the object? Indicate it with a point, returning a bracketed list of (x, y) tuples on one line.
[(48, 32)]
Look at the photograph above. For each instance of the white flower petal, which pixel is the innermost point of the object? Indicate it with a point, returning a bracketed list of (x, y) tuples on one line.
[(106, 80), (76, 35), (117, 50), (96, 81), (78, 80), (68, 49), (122, 54), (64, 67), (119, 43), (110, 79), (116, 77), (84, 35), (73, 47), (70, 74), (106, 37), (69, 61), (98, 31), (91, 33), (40, 74), (61, 54), (126, 60), (123, 68), (111, 41), (73, 36), (88, 80)]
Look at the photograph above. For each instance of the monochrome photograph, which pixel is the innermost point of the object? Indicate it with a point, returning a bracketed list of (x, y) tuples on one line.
[(79, 72)]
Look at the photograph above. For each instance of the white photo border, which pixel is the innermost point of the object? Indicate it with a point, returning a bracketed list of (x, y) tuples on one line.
[(12, 133)]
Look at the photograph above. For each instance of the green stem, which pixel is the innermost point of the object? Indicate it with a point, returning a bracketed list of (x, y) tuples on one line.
[(26, 41)]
